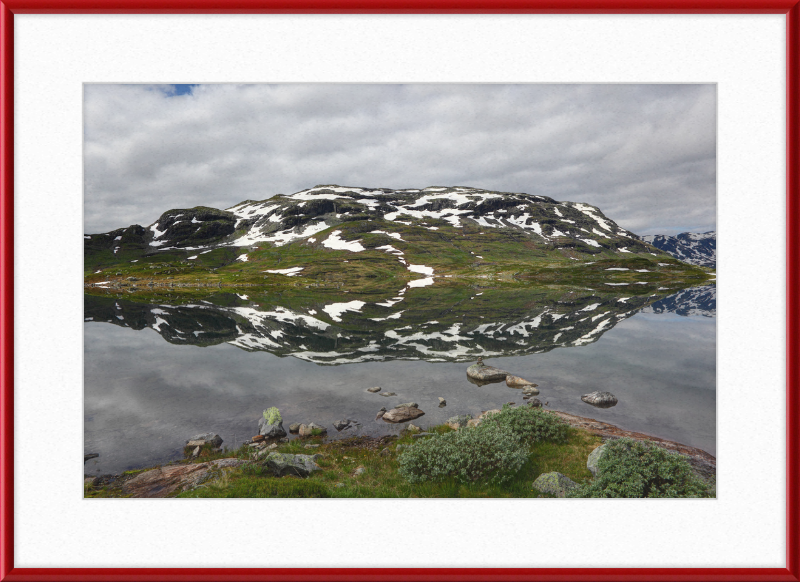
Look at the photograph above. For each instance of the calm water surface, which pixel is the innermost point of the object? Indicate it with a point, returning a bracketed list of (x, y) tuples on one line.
[(145, 396)]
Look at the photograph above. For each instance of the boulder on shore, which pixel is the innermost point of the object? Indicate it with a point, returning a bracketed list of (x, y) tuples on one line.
[(517, 382), (294, 428), (555, 483), (166, 480), (594, 458), (285, 464), (402, 414), (208, 438), (456, 422), (271, 424), (600, 399)]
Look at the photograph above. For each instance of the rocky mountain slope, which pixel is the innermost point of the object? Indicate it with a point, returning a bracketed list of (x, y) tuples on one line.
[(690, 247)]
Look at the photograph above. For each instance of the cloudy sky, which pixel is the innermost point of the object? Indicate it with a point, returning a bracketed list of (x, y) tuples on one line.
[(644, 154)]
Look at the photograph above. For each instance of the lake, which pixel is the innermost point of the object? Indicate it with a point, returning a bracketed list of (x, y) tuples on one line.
[(157, 374)]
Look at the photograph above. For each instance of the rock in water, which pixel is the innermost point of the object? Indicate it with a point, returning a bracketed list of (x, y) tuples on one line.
[(442, 402), (600, 399), (535, 402), (594, 458), (556, 483), (311, 428), (530, 390), (402, 414), (375, 389), (517, 382), (409, 404), (284, 464), (294, 428), (271, 424), (88, 456), (341, 425), (388, 394), (481, 374), (380, 414), (208, 438)]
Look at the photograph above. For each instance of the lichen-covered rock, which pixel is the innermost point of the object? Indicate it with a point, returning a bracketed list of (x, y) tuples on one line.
[(473, 422), (208, 438), (282, 464), (271, 424), (594, 458), (530, 390), (402, 414), (517, 382), (489, 413), (294, 428), (413, 428), (600, 399), (535, 402), (456, 422), (409, 404), (555, 483), (442, 402)]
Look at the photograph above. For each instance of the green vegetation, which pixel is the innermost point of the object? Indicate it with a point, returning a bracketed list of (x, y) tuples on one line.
[(630, 468), (272, 415), (492, 453), (530, 425)]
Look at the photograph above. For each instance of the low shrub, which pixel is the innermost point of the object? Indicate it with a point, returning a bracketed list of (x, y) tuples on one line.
[(272, 415), (630, 468), (493, 454), (531, 425)]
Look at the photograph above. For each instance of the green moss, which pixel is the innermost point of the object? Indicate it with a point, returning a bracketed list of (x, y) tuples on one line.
[(272, 415)]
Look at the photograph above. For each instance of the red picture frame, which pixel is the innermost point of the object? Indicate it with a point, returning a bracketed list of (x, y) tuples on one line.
[(8, 8)]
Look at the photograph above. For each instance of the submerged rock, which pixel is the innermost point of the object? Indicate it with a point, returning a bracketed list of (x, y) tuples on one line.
[(402, 414), (535, 402), (594, 458), (517, 382), (388, 394), (380, 414), (284, 464), (555, 483), (600, 399), (341, 425)]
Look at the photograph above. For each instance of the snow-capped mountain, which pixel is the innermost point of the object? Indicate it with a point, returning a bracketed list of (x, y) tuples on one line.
[(690, 247), (307, 215), (695, 301)]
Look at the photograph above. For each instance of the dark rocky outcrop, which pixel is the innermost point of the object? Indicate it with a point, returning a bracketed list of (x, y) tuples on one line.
[(600, 399), (282, 464)]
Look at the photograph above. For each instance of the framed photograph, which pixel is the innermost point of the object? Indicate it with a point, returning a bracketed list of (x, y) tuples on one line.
[(452, 262)]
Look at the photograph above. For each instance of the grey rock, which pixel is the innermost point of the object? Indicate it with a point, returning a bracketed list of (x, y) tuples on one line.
[(413, 428), (535, 402), (294, 428), (388, 394), (456, 422), (208, 438), (271, 431), (442, 402), (600, 399), (341, 425), (402, 414), (358, 471), (196, 452), (594, 458), (380, 413), (409, 404), (481, 374), (309, 429), (555, 483), (282, 464), (517, 382), (529, 390), (375, 389)]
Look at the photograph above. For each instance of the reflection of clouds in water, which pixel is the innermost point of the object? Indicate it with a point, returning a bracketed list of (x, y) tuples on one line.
[(144, 396)]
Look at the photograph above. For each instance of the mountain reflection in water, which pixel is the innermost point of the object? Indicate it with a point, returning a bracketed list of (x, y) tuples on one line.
[(224, 361)]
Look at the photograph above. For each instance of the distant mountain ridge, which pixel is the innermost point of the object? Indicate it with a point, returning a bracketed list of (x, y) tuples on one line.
[(690, 247), (302, 216)]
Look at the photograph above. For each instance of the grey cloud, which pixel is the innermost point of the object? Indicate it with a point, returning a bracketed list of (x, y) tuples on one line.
[(644, 154)]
